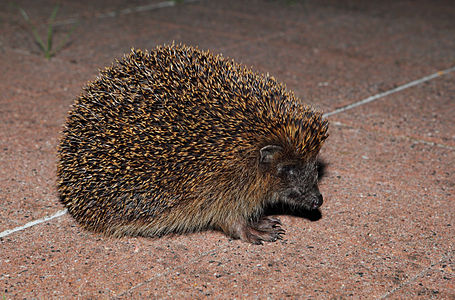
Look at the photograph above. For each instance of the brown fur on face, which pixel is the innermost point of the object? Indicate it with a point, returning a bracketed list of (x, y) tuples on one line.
[(179, 140)]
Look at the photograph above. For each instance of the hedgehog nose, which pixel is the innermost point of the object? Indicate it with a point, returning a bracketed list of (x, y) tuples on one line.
[(317, 202)]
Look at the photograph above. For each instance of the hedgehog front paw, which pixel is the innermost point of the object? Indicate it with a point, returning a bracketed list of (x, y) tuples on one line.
[(267, 229)]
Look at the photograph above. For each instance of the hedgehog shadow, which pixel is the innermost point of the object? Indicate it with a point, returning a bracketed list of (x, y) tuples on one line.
[(284, 209)]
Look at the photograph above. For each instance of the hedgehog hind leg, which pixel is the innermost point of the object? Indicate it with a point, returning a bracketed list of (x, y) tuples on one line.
[(266, 229)]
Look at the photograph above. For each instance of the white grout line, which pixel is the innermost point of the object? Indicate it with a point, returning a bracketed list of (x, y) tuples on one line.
[(127, 11), (364, 101), (414, 278), (410, 138), (397, 89), (33, 223), (151, 6)]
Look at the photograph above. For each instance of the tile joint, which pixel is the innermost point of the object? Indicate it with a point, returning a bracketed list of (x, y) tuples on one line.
[(389, 92)]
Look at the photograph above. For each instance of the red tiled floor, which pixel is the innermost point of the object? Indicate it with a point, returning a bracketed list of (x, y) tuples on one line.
[(386, 226)]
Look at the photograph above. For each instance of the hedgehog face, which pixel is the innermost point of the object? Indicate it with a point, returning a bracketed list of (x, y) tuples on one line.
[(298, 180), (299, 184)]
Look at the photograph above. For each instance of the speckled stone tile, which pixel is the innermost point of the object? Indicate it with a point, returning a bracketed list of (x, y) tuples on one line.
[(33, 108), (332, 76), (423, 113), (59, 259)]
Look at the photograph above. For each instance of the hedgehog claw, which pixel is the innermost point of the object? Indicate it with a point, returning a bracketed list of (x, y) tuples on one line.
[(272, 219), (267, 229), (268, 223)]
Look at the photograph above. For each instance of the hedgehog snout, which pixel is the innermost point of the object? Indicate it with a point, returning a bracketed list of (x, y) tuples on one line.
[(317, 201), (314, 197), (309, 199)]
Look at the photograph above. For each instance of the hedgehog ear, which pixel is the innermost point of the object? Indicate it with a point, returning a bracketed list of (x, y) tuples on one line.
[(268, 153)]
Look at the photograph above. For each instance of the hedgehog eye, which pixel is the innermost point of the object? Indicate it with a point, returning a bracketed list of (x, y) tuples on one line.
[(286, 170)]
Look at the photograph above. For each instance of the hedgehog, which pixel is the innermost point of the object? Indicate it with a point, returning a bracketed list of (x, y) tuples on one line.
[(178, 140)]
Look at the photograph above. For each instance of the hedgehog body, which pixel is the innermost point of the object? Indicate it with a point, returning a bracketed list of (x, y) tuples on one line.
[(178, 140)]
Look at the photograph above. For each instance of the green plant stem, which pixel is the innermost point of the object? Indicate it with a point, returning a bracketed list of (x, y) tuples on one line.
[(46, 48)]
